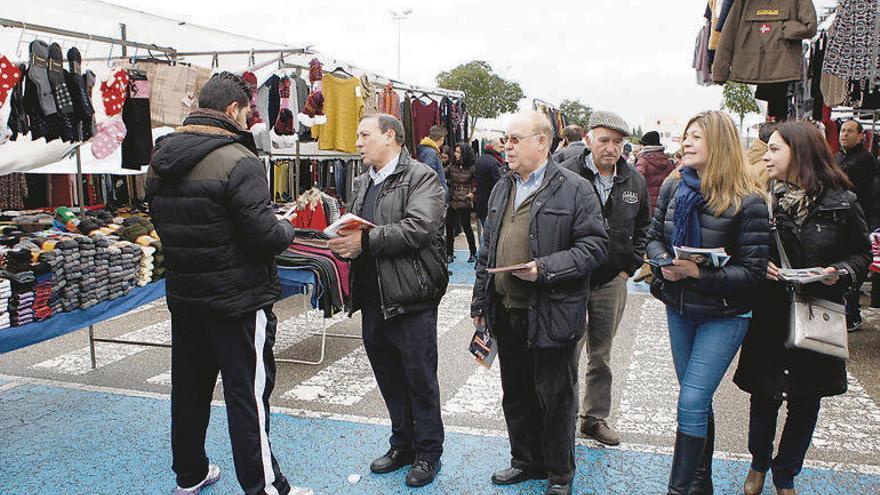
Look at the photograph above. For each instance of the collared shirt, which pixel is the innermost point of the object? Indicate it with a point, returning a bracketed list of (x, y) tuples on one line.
[(603, 183), (380, 176), (527, 187)]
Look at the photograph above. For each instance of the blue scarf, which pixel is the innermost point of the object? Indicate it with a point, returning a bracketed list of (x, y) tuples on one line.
[(686, 218)]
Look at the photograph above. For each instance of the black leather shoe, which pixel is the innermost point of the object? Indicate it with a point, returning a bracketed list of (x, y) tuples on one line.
[(422, 473), (472, 259), (559, 489), (392, 461), (512, 476)]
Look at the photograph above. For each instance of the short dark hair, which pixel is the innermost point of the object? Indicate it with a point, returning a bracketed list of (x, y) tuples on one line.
[(859, 125), (573, 133), (389, 122), (436, 132), (224, 89), (811, 158), (766, 130)]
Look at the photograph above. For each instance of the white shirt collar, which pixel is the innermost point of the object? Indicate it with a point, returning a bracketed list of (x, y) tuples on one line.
[(380, 176)]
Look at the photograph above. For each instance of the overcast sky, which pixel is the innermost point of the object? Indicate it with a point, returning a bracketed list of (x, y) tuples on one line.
[(630, 56)]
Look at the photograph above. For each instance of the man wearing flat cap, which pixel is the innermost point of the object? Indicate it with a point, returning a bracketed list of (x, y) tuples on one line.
[(624, 200)]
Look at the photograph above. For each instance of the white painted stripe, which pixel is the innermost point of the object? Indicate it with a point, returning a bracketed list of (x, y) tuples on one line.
[(289, 333), (348, 380), (259, 390), (8, 386), (849, 422), (480, 396), (868, 469), (650, 392), (78, 362)]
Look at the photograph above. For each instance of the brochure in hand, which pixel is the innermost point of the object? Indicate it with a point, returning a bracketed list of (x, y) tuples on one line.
[(511, 268), (805, 275), (483, 347), (349, 221), (716, 257)]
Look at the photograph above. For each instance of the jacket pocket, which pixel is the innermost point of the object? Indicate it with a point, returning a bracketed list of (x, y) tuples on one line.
[(567, 316)]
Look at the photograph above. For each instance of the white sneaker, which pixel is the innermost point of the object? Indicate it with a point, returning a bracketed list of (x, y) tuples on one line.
[(211, 478)]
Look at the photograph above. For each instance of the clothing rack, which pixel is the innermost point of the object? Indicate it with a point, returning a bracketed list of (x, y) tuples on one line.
[(536, 101), (251, 52), (85, 36)]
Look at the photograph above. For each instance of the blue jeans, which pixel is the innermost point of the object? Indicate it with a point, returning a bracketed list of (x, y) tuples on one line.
[(702, 352)]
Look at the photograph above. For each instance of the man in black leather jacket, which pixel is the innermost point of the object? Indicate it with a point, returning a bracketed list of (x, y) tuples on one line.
[(397, 279)]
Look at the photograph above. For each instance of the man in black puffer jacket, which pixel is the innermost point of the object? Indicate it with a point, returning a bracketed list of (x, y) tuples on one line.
[(209, 201)]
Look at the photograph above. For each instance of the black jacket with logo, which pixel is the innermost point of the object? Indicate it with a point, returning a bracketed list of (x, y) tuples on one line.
[(627, 218)]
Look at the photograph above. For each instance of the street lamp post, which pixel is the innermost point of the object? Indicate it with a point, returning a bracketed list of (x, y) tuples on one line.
[(399, 16)]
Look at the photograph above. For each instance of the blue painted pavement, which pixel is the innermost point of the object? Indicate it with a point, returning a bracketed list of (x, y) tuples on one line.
[(62, 440)]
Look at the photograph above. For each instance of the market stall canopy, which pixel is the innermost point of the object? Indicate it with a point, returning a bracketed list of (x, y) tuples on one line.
[(91, 165)]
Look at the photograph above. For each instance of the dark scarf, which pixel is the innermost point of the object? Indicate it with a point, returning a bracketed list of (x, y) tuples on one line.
[(686, 219)]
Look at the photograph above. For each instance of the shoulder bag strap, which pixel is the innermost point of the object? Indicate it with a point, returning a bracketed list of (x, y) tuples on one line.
[(783, 258)]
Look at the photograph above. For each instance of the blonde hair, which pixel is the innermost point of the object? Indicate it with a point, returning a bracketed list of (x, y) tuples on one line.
[(726, 178)]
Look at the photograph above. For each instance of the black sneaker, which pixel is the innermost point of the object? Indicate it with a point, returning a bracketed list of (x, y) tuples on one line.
[(852, 326), (422, 473)]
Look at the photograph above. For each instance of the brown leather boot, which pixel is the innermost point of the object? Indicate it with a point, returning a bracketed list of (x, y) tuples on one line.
[(754, 483), (785, 491)]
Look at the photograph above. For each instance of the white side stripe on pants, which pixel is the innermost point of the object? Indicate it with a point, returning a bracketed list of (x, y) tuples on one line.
[(259, 390)]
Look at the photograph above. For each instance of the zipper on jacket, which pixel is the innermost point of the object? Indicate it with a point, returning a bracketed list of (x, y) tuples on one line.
[(378, 271), (419, 278)]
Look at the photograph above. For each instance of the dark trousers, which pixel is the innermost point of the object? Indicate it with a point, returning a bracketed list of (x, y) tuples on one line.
[(540, 399), (240, 348), (853, 306), (796, 436), (403, 355), (459, 218)]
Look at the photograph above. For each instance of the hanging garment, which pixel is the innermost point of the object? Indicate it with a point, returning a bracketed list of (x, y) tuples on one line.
[(113, 92), (174, 90), (344, 107), (39, 101), (10, 75), (302, 95), (389, 101), (82, 96), (269, 100), (253, 117), (424, 116), (853, 51), (407, 120), (137, 148), (19, 124), (834, 90), (462, 124), (371, 106), (13, 191), (761, 41)]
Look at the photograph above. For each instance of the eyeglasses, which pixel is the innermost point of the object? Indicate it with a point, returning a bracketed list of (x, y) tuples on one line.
[(514, 140)]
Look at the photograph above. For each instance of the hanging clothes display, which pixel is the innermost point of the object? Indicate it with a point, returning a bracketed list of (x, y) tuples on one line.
[(371, 106), (853, 51), (407, 120), (137, 148), (389, 101), (13, 191), (343, 107), (761, 41)]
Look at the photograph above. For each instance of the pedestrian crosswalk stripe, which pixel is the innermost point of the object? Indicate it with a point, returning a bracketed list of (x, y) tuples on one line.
[(78, 362), (849, 422), (290, 332), (650, 374), (480, 396), (348, 380)]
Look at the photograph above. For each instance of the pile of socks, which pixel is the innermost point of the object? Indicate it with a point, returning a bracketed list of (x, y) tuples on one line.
[(140, 230), (68, 250), (5, 295), (54, 260), (147, 266), (42, 291), (125, 259), (102, 267), (21, 277), (89, 284)]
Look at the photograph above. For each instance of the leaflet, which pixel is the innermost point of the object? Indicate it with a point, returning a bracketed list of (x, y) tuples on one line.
[(349, 221)]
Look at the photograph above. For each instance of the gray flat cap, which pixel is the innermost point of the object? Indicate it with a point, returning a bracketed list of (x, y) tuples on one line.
[(609, 120)]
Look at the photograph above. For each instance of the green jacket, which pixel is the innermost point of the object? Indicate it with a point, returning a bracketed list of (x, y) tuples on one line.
[(761, 41)]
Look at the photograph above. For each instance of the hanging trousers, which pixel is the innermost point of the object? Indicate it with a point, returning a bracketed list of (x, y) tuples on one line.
[(240, 349)]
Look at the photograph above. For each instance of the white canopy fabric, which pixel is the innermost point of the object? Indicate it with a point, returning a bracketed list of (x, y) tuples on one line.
[(90, 164)]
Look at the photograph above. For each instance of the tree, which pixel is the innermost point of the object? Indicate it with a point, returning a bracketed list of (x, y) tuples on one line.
[(486, 94), (738, 99), (576, 112)]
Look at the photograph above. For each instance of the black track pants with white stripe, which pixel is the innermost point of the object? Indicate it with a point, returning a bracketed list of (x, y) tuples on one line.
[(240, 349)]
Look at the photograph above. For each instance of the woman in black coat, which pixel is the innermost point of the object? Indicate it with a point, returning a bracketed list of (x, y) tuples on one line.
[(820, 224)]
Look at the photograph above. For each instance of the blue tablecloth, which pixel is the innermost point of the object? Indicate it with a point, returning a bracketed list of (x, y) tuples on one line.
[(293, 281), (17, 337)]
